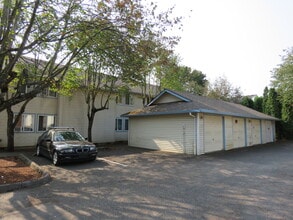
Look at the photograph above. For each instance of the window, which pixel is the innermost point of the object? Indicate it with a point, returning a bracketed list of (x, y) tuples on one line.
[(48, 93), (45, 122), (25, 123), (125, 98), (128, 99), (121, 124)]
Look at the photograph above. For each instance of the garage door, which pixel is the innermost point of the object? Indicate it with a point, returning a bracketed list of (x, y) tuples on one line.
[(238, 132), (253, 132), (213, 133), (166, 133), (267, 131)]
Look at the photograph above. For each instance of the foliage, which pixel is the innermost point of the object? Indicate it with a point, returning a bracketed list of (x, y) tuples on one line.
[(223, 89), (247, 101), (257, 104), (181, 78), (271, 104), (283, 82), (50, 37), (127, 45)]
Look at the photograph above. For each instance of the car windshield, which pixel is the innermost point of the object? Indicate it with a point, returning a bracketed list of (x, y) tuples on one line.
[(67, 136)]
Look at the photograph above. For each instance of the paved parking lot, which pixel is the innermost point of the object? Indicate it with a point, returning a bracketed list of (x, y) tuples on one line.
[(130, 183)]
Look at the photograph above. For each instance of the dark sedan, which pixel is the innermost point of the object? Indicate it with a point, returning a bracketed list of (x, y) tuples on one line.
[(65, 144)]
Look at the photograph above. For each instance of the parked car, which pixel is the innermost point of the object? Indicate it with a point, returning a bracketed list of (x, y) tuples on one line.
[(65, 144)]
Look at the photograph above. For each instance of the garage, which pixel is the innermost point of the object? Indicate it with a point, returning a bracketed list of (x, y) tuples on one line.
[(253, 132), (213, 133), (174, 133), (267, 131), (186, 123), (238, 131)]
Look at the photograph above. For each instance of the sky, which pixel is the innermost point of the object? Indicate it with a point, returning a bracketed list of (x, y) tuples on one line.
[(242, 40)]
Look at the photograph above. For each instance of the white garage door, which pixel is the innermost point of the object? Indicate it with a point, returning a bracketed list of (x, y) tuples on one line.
[(267, 131), (238, 132), (213, 133), (253, 132), (166, 133)]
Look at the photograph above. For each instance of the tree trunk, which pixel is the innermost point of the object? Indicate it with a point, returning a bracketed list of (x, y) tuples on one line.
[(91, 118), (10, 130)]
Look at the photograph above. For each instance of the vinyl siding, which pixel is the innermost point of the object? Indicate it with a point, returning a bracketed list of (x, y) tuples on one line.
[(37, 106), (72, 112), (104, 123), (173, 133)]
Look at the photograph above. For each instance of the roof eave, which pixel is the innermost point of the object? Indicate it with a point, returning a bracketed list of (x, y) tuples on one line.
[(207, 111)]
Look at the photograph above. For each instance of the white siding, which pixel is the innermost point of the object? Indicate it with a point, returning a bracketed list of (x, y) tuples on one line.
[(37, 106), (72, 112), (104, 123), (200, 134), (167, 98), (213, 133), (167, 133)]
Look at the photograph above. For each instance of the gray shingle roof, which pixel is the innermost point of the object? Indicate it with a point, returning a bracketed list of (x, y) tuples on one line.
[(193, 104)]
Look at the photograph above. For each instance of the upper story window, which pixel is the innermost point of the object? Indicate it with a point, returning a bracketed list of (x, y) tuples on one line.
[(46, 92), (49, 93), (125, 99)]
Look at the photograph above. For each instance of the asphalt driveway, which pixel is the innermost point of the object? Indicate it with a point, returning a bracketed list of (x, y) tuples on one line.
[(131, 183)]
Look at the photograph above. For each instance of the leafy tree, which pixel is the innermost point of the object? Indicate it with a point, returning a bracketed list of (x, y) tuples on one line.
[(257, 104), (247, 101), (124, 51), (283, 82), (223, 89), (182, 78), (272, 106), (48, 32), (37, 33)]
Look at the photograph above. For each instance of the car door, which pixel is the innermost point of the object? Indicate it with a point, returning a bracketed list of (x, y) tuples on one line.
[(45, 143)]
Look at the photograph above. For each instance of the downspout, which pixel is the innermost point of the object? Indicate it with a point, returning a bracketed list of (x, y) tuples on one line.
[(195, 133)]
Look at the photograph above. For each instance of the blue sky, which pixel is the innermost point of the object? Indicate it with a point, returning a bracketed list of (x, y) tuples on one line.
[(240, 39)]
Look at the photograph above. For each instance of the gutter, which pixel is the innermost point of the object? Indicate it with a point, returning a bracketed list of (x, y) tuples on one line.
[(200, 111)]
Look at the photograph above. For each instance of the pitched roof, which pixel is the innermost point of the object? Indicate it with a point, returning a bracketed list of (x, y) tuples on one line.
[(189, 103)]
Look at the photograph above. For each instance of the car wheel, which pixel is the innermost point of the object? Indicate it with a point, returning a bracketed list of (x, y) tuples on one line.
[(38, 151), (56, 161)]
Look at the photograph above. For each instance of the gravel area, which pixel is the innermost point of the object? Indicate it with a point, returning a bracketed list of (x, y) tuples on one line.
[(130, 183)]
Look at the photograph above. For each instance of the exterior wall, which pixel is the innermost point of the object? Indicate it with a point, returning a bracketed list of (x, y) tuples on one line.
[(37, 106), (200, 134), (167, 98), (213, 133), (174, 133), (72, 112)]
